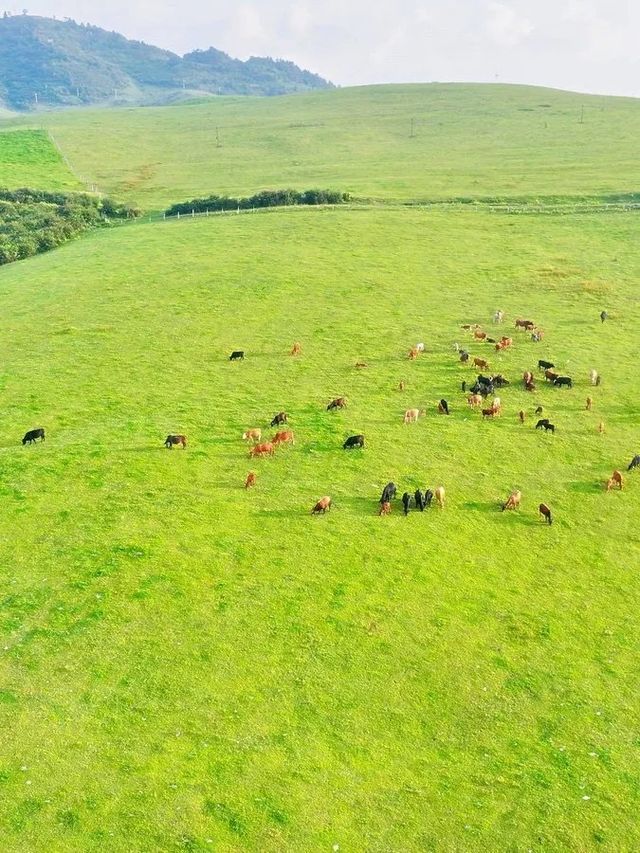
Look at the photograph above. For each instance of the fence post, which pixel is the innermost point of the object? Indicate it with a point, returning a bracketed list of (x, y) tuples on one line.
[(193, 213), (178, 214)]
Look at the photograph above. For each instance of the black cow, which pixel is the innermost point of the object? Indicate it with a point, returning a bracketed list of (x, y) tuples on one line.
[(539, 410), (563, 381), (603, 316), (428, 497), (489, 340), (444, 407), (237, 355), (635, 462), (545, 365), (406, 502), (388, 493), (31, 436), (484, 390), (543, 423), (499, 381), (353, 441), (463, 387), (280, 418), (549, 428), (419, 499), (464, 356), (485, 380)]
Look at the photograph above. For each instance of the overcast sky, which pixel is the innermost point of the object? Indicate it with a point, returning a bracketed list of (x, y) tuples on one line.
[(585, 45)]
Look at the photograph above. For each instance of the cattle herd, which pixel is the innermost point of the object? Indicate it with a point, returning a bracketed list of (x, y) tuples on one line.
[(483, 386)]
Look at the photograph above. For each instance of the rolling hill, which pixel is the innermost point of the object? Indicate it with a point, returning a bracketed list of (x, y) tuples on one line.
[(51, 63)]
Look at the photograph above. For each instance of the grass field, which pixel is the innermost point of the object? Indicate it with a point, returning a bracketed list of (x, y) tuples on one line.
[(28, 158), (189, 666), (472, 140)]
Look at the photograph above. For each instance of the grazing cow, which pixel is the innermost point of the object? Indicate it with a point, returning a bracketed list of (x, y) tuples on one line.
[(464, 356), (527, 377), (419, 347), (463, 387), (481, 363), (443, 407), (530, 386), (474, 400), (542, 423), (412, 415), (521, 415), (402, 385), (539, 410), (413, 354), (499, 381), (601, 427), (563, 382), (545, 365), (353, 441), (439, 496), (285, 437), (237, 355), (279, 419), (537, 336), (635, 462), (419, 499), (524, 324), (598, 380), (31, 436), (550, 375), (497, 405), (361, 364), (169, 443), (483, 390), (338, 403), (388, 493), (603, 316), (550, 428), (428, 498), (498, 317), (488, 413), (406, 502), (323, 505), (616, 479), (513, 501), (479, 336), (589, 404), (385, 508), (545, 512), (252, 435), (296, 349), (593, 376), (251, 480), (267, 448)]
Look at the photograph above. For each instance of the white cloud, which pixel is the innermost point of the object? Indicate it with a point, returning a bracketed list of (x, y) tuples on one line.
[(506, 26)]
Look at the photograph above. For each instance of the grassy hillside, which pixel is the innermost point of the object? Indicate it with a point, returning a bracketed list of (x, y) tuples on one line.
[(468, 141), (28, 158), (187, 665)]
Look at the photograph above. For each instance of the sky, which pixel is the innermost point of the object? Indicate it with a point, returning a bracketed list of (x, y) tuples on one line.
[(582, 45)]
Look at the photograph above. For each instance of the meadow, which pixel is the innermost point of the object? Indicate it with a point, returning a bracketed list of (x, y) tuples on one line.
[(389, 142), (28, 158), (186, 665)]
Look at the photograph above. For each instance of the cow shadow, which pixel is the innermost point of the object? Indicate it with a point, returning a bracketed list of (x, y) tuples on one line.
[(587, 487), (483, 506)]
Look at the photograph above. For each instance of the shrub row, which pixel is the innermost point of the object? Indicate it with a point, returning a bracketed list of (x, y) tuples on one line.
[(267, 198)]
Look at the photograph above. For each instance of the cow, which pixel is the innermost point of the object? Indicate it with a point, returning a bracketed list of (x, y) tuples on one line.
[(498, 317), (361, 364), (589, 404), (469, 326), (542, 423), (31, 436), (521, 415), (439, 496), (537, 336), (499, 381), (463, 387), (413, 354), (338, 403), (353, 441), (513, 501), (252, 435), (601, 427), (406, 502), (563, 382), (412, 415), (550, 428), (635, 462), (285, 437), (419, 347), (550, 375), (539, 410), (323, 505), (402, 385), (237, 355), (481, 363), (474, 400), (296, 349), (170, 441), (527, 377), (524, 324), (479, 336), (616, 479), (545, 365), (279, 419), (603, 316), (593, 376), (388, 493), (530, 386), (464, 356), (497, 405), (385, 508), (443, 407), (251, 480), (456, 347), (488, 413), (419, 499), (428, 498), (267, 448), (545, 512)]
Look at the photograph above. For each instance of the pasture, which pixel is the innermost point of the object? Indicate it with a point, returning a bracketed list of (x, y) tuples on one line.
[(465, 140), (188, 665), (28, 158)]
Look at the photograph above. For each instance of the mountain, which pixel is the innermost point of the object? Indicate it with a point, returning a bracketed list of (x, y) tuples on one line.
[(50, 63)]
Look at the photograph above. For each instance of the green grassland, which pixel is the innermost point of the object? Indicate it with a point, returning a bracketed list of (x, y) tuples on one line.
[(28, 158), (186, 665), (469, 140)]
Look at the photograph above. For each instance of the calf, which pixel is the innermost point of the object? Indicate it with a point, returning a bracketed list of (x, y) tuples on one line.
[(513, 501), (279, 419), (323, 505), (388, 493), (353, 441), (616, 479), (31, 436), (545, 512), (635, 462), (170, 441), (237, 355), (545, 365), (406, 502), (252, 435), (267, 448), (563, 382), (338, 403), (385, 508), (251, 480)]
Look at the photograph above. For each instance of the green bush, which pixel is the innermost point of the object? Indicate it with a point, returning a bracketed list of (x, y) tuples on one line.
[(266, 198)]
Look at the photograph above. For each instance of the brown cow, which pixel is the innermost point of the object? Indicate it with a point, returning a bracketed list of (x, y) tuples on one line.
[(481, 363), (265, 449), (252, 435), (513, 501), (402, 385), (413, 353), (545, 512), (251, 480), (601, 427), (521, 415), (439, 496), (469, 326), (323, 505), (524, 324), (296, 349), (172, 440), (361, 364), (385, 508), (338, 403), (479, 336), (550, 375), (412, 415), (488, 413), (527, 377), (616, 479), (285, 437), (474, 400), (589, 404)]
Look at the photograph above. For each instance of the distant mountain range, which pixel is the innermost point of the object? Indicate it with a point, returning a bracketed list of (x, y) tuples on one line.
[(50, 63)]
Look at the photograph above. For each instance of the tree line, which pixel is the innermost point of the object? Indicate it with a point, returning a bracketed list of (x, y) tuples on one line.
[(266, 198)]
